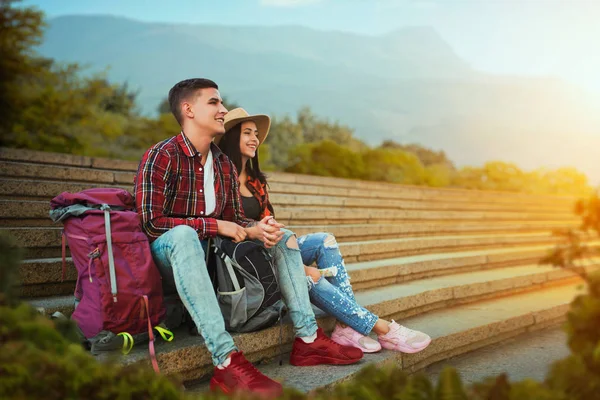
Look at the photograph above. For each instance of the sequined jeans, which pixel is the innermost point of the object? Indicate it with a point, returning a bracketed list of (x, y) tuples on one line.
[(334, 294)]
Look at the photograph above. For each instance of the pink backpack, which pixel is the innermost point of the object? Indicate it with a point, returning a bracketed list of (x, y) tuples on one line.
[(119, 288)]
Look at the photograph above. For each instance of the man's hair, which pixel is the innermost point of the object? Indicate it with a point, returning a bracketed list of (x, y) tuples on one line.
[(230, 145), (185, 90)]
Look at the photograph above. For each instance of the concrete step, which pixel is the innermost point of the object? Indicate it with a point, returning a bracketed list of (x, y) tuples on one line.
[(398, 301), (34, 213), (304, 216), (64, 173), (296, 184), (45, 242), (527, 356), (19, 189), (357, 232), (455, 330), (328, 201), (390, 248), (370, 274), (413, 192), (42, 277), (188, 357), (79, 175)]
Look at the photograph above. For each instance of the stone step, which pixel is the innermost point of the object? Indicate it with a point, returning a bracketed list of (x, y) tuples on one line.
[(303, 207), (42, 277), (527, 356), (372, 274), (45, 242), (304, 216), (327, 201), (454, 326), (64, 173), (75, 175), (455, 331), (15, 189), (355, 232), (397, 247), (22, 212), (414, 192)]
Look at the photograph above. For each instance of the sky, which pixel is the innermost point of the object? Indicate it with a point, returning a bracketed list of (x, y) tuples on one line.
[(517, 37)]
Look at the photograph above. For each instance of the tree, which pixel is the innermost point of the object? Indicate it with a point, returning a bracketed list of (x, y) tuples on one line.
[(326, 158), (393, 165), (427, 156), (20, 30)]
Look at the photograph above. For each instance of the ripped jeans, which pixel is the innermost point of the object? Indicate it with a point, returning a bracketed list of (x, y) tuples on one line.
[(334, 294), (179, 256)]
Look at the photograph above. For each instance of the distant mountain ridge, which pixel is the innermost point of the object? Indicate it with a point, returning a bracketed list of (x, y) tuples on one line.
[(408, 85)]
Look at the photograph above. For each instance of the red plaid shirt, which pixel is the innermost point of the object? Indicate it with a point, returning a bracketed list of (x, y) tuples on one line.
[(260, 193), (169, 189)]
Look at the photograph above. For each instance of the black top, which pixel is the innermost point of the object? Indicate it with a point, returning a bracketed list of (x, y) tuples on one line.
[(251, 207)]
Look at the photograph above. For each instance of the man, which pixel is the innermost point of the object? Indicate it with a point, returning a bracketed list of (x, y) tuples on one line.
[(186, 192)]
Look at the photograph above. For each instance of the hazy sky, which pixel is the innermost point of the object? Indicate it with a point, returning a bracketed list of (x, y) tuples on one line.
[(525, 37)]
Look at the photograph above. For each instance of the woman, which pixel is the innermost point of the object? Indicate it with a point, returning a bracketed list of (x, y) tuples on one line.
[(330, 288)]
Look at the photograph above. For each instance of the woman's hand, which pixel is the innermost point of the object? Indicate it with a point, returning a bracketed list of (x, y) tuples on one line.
[(269, 234)]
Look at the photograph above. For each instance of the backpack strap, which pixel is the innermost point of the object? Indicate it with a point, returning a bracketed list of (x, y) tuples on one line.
[(111, 260), (234, 279), (150, 337), (64, 256)]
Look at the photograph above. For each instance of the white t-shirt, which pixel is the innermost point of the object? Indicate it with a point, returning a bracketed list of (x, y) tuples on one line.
[(209, 185)]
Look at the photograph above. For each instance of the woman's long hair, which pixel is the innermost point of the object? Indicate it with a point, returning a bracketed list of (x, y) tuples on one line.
[(230, 145)]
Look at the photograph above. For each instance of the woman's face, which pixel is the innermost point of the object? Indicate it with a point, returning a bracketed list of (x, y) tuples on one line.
[(248, 139)]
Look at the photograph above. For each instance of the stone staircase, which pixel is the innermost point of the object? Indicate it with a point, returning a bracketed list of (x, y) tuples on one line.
[(460, 265)]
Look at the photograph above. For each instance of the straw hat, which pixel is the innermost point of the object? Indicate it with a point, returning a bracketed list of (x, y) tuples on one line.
[(239, 115)]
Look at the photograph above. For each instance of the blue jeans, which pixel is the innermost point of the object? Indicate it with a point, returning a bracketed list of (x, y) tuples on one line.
[(334, 294), (180, 258)]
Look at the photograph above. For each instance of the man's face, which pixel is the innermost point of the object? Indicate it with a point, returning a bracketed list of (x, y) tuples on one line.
[(207, 111)]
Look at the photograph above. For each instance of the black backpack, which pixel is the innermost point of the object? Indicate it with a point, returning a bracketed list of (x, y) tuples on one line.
[(246, 284)]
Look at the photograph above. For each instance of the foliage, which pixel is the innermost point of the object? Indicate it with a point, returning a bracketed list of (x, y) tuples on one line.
[(427, 156), (326, 158), (286, 135), (20, 30), (578, 376), (503, 176), (54, 107), (9, 260)]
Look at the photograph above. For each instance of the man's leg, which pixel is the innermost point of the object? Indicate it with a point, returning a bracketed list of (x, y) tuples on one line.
[(311, 346), (180, 258), (293, 284)]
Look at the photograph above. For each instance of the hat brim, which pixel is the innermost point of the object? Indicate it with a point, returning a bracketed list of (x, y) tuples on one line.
[(263, 124)]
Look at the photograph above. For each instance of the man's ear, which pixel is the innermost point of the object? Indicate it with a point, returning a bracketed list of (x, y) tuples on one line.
[(186, 109)]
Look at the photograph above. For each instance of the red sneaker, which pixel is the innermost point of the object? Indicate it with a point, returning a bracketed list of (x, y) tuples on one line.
[(241, 375), (323, 351)]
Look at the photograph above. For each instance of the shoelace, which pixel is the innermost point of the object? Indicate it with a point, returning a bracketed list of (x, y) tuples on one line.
[(407, 333), (247, 369)]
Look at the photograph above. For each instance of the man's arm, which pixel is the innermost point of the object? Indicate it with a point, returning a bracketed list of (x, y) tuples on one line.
[(151, 191)]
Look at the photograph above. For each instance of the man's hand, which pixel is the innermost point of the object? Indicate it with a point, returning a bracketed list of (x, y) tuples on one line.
[(231, 230), (267, 232)]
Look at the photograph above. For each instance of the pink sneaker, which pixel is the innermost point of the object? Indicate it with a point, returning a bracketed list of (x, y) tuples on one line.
[(405, 340), (349, 337)]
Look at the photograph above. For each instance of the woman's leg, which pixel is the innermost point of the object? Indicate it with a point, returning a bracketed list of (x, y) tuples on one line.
[(322, 248), (336, 303)]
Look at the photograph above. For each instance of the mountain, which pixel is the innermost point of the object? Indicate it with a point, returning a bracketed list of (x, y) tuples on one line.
[(408, 85)]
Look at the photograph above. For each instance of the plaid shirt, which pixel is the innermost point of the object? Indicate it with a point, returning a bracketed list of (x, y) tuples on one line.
[(169, 189), (260, 193)]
